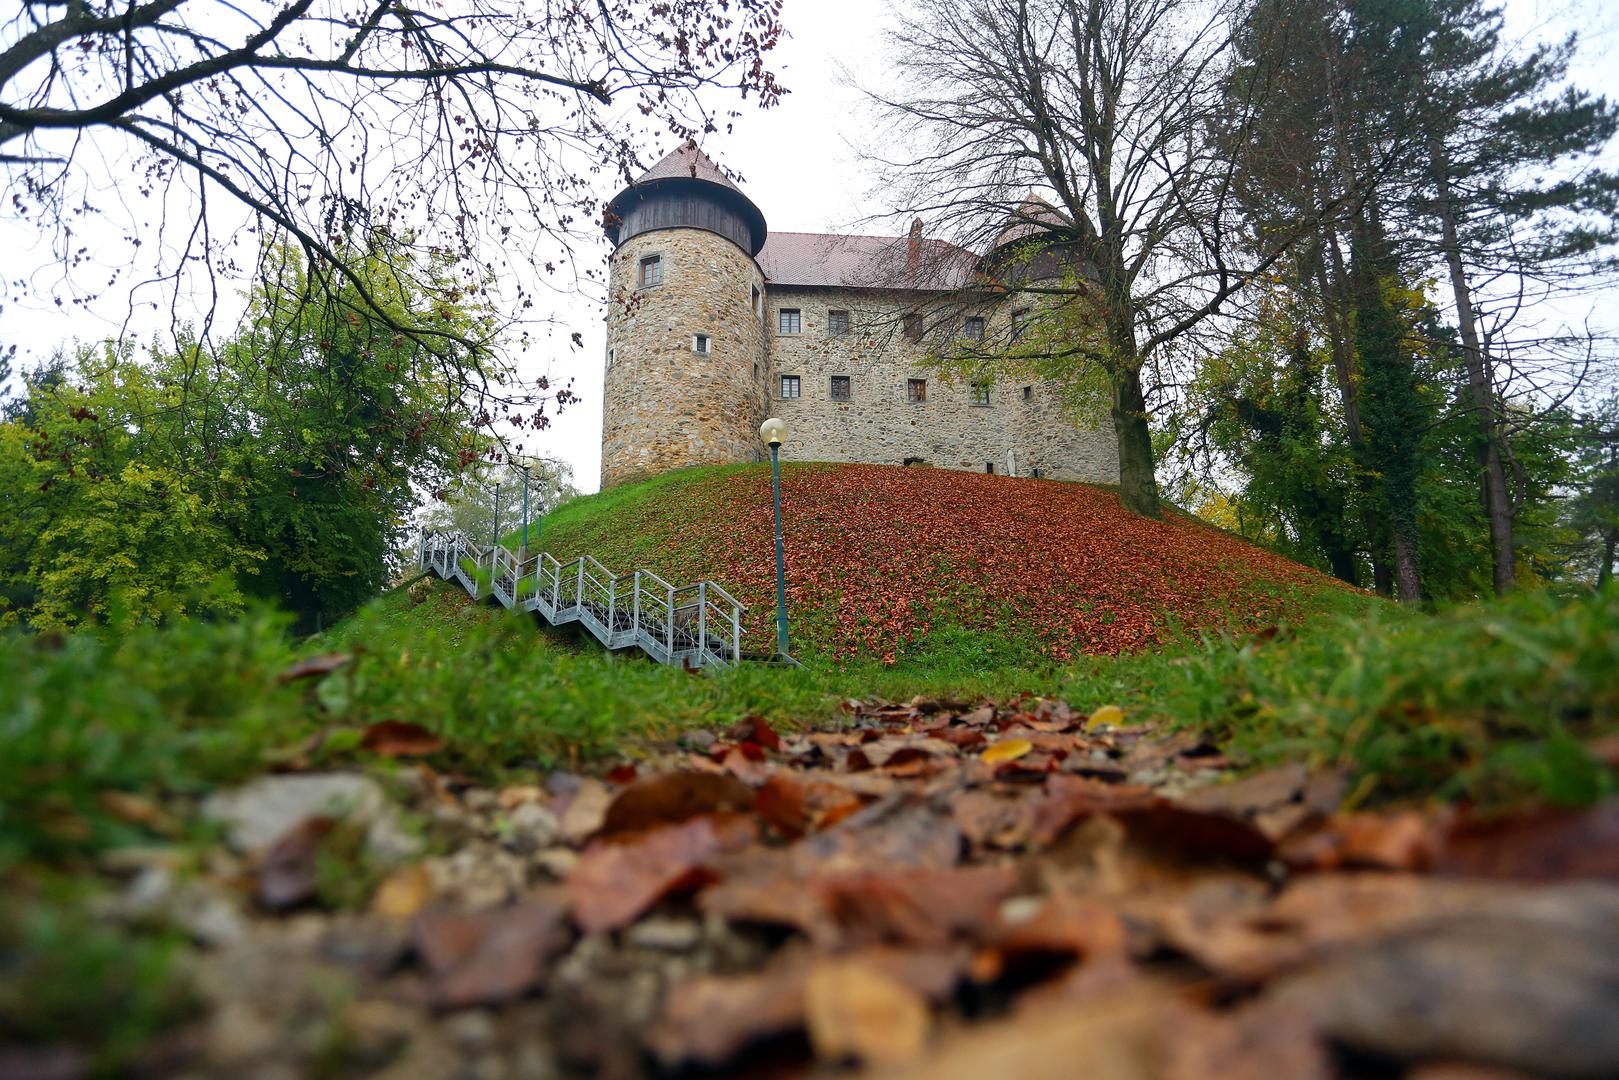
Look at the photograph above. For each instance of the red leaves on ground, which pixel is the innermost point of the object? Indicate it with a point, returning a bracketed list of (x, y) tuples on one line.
[(488, 957), (614, 882), (286, 873), (314, 666), (877, 556), (1556, 846), (394, 738), (668, 798)]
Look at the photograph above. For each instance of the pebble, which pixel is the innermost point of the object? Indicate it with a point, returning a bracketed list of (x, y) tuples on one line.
[(258, 814), (665, 933)]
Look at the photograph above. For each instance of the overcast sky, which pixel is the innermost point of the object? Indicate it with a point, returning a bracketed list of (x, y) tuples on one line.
[(796, 164)]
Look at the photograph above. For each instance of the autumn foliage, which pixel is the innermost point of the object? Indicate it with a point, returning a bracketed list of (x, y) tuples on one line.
[(879, 557)]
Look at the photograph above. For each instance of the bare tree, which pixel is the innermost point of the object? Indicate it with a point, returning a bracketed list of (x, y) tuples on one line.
[(483, 130), (1113, 112)]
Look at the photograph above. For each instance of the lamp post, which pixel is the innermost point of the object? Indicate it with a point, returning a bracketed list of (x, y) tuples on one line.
[(522, 548), (774, 433)]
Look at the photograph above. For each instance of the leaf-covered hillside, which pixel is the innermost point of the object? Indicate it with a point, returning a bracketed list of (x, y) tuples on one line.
[(887, 562)]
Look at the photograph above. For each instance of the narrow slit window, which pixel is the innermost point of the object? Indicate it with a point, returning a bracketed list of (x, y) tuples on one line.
[(916, 390), (789, 321), (651, 271), (840, 388), (837, 323), (973, 328), (789, 386), (610, 357), (757, 301)]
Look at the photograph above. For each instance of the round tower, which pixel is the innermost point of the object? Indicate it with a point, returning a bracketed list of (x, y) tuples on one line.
[(686, 379)]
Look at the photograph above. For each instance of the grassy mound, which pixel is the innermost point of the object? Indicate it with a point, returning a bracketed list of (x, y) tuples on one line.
[(897, 563)]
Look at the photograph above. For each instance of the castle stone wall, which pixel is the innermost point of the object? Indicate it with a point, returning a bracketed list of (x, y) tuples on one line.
[(879, 423), (665, 406)]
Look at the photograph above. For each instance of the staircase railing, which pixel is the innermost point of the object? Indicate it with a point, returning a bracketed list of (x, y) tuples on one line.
[(695, 625)]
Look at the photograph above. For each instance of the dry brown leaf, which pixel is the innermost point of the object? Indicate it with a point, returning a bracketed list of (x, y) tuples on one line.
[(1553, 846), (313, 666), (708, 1020), (614, 882), (286, 874), (395, 739), (668, 798), (855, 1011), (488, 957)]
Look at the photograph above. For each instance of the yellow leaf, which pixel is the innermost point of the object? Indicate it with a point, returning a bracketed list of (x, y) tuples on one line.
[(854, 1010), (1006, 750), (1107, 714), (403, 893)]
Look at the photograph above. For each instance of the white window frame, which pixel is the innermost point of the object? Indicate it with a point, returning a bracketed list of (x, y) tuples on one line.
[(702, 344)]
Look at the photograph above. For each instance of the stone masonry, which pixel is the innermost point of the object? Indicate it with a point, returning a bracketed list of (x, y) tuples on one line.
[(667, 404)]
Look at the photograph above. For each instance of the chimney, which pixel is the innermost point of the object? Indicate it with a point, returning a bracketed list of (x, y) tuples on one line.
[(913, 250)]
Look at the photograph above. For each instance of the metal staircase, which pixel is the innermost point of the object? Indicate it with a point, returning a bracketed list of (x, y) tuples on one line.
[(697, 625)]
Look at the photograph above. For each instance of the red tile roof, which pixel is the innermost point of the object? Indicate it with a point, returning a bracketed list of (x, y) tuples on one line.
[(824, 259)]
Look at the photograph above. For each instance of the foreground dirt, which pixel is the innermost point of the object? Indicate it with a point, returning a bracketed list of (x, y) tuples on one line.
[(934, 889)]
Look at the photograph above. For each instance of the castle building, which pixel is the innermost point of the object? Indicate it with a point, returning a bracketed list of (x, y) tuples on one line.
[(715, 323)]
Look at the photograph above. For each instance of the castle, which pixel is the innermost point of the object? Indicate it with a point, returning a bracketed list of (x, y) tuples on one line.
[(715, 324)]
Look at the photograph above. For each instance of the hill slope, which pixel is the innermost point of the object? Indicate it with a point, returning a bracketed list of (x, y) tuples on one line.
[(893, 562)]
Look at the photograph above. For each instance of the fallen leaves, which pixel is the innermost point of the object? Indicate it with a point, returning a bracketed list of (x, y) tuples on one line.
[(1013, 889), (395, 739), (615, 882)]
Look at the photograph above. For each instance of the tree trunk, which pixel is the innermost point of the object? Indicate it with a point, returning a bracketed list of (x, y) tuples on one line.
[(1334, 302), (1138, 489), (1610, 542), (1480, 395)]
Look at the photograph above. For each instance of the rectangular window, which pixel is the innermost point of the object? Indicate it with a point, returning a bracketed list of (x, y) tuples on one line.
[(837, 323), (989, 467), (757, 301), (973, 328), (651, 271), (913, 327), (916, 389), (840, 388), (699, 343), (789, 386), (788, 321), (609, 357), (981, 393), (1028, 393), (1020, 323)]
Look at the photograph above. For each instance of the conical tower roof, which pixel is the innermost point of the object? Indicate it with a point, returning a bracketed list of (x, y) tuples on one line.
[(1033, 217), (686, 173), (690, 162)]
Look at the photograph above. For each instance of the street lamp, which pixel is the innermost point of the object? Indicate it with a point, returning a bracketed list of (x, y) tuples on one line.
[(774, 433), (522, 548)]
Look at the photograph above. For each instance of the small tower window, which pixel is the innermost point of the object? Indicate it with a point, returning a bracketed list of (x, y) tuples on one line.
[(1020, 323), (610, 356), (981, 393), (757, 301), (989, 467), (651, 271), (973, 328), (699, 343), (913, 327), (1028, 393), (789, 386), (837, 323), (755, 371), (840, 388), (916, 389), (789, 321)]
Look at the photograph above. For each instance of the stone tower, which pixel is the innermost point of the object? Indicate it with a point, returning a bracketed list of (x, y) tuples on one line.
[(686, 355)]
